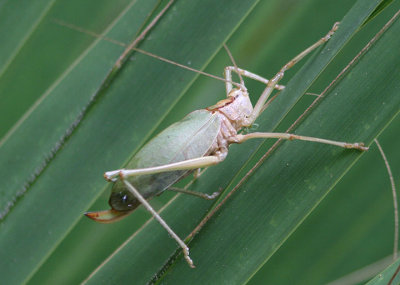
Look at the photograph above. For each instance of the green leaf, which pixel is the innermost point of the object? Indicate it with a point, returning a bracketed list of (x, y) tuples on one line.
[(386, 276), (146, 96), (379, 9), (53, 96), (23, 22), (67, 172), (353, 226), (40, 133), (351, 229), (280, 194)]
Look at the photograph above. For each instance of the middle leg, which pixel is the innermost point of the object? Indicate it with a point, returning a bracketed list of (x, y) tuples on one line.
[(195, 193)]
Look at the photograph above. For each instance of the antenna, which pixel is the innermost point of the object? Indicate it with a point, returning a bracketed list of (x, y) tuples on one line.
[(131, 47), (235, 65)]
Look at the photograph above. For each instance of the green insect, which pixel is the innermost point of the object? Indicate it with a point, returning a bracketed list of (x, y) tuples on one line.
[(201, 139)]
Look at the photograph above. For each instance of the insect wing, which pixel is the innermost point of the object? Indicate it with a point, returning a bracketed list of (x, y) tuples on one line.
[(189, 138)]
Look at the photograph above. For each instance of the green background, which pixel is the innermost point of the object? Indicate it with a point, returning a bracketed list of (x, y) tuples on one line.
[(59, 134)]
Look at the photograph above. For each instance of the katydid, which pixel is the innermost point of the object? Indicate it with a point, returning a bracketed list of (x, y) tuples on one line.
[(199, 140)]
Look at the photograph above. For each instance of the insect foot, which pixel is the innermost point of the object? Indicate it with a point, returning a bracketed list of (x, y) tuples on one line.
[(332, 31), (187, 257), (359, 146)]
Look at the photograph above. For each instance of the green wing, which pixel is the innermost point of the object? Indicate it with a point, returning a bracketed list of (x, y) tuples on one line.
[(189, 138)]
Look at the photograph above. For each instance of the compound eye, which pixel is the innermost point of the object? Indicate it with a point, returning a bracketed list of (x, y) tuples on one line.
[(237, 94)]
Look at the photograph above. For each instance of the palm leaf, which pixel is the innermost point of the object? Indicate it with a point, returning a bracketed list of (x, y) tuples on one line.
[(50, 186)]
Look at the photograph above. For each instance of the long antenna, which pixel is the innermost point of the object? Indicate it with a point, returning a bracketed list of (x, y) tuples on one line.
[(143, 34), (235, 65), (132, 47)]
